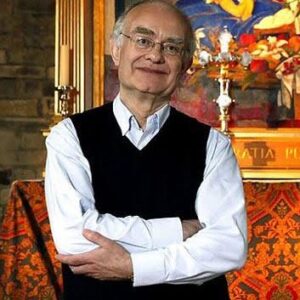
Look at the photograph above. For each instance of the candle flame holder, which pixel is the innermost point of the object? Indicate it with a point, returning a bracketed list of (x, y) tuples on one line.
[(65, 106), (224, 59)]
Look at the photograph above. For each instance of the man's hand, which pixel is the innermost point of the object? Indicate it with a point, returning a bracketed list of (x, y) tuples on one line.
[(190, 227), (109, 261)]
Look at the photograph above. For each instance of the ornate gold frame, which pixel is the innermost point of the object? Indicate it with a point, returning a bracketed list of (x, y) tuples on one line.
[(103, 21), (98, 52)]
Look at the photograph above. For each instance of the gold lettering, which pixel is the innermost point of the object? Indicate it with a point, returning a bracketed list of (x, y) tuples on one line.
[(269, 154), (292, 153), (254, 152), (246, 154), (288, 152), (260, 153)]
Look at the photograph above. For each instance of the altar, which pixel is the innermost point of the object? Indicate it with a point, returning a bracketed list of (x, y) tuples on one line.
[(28, 268)]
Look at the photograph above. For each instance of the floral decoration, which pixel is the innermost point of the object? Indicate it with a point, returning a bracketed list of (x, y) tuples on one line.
[(270, 52)]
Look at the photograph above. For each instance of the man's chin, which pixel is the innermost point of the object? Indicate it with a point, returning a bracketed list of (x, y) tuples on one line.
[(155, 93), (152, 90), (149, 90)]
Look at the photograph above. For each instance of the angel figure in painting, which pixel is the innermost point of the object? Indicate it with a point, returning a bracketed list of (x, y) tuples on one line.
[(242, 10), (288, 15), (239, 16)]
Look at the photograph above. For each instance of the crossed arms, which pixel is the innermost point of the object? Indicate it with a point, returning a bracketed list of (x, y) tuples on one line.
[(156, 250)]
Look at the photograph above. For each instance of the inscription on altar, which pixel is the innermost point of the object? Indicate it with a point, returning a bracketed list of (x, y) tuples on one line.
[(267, 154)]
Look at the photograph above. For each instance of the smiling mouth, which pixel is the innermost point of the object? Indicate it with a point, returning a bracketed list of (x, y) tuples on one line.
[(153, 71)]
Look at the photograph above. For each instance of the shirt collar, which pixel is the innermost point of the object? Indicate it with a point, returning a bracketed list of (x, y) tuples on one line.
[(124, 115)]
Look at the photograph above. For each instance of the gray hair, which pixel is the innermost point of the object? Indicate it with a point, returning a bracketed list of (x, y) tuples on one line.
[(190, 38)]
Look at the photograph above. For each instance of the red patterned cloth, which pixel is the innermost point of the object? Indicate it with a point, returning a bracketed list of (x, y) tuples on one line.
[(272, 270), (28, 269)]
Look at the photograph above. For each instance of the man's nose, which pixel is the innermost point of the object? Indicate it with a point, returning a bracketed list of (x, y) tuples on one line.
[(156, 53)]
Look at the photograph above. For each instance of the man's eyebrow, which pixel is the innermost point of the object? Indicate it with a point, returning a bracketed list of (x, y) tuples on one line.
[(175, 40), (143, 30), (147, 31)]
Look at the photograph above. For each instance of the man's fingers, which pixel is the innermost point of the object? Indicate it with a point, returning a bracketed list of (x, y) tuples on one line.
[(83, 269), (96, 238), (74, 260)]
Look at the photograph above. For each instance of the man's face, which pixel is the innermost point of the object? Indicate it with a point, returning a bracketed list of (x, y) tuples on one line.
[(150, 71)]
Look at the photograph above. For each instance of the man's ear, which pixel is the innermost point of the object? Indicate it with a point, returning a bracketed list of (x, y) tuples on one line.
[(115, 51), (187, 65)]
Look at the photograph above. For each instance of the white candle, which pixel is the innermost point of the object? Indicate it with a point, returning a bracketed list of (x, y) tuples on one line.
[(224, 39), (64, 65)]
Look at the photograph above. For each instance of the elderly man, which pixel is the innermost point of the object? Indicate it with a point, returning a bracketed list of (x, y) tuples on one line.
[(144, 201)]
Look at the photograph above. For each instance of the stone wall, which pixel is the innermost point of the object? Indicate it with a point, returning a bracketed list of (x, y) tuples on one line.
[(26, 88)]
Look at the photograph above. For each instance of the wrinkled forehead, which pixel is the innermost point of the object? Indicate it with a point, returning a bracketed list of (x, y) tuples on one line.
[(156, 19)]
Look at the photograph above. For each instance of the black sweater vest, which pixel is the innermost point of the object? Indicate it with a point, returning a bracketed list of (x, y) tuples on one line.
[(161, 180)]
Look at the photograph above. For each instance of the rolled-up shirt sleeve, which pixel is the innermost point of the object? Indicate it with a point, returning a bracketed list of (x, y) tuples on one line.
[(71, 204), (218, 248)]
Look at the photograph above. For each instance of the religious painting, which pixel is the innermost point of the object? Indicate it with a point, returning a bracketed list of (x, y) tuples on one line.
[(266, 92)]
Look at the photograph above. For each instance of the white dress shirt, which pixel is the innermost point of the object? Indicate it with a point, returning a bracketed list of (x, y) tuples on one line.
[(158, 252)]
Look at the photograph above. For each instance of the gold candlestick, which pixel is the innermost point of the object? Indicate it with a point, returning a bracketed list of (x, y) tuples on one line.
[(224, 101), (65, 108), (223, 59)]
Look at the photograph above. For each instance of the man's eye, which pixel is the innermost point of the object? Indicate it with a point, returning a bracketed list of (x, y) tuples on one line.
[(143, 42), (171, 48)]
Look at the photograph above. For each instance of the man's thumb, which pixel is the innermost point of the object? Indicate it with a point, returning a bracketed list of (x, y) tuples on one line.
[(95, 237)]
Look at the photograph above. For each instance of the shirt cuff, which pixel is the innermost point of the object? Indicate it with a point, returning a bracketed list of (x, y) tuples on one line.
[(166, 231), (148, 268)]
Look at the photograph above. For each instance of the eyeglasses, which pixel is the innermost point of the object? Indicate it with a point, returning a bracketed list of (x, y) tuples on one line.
[(147, 44)]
